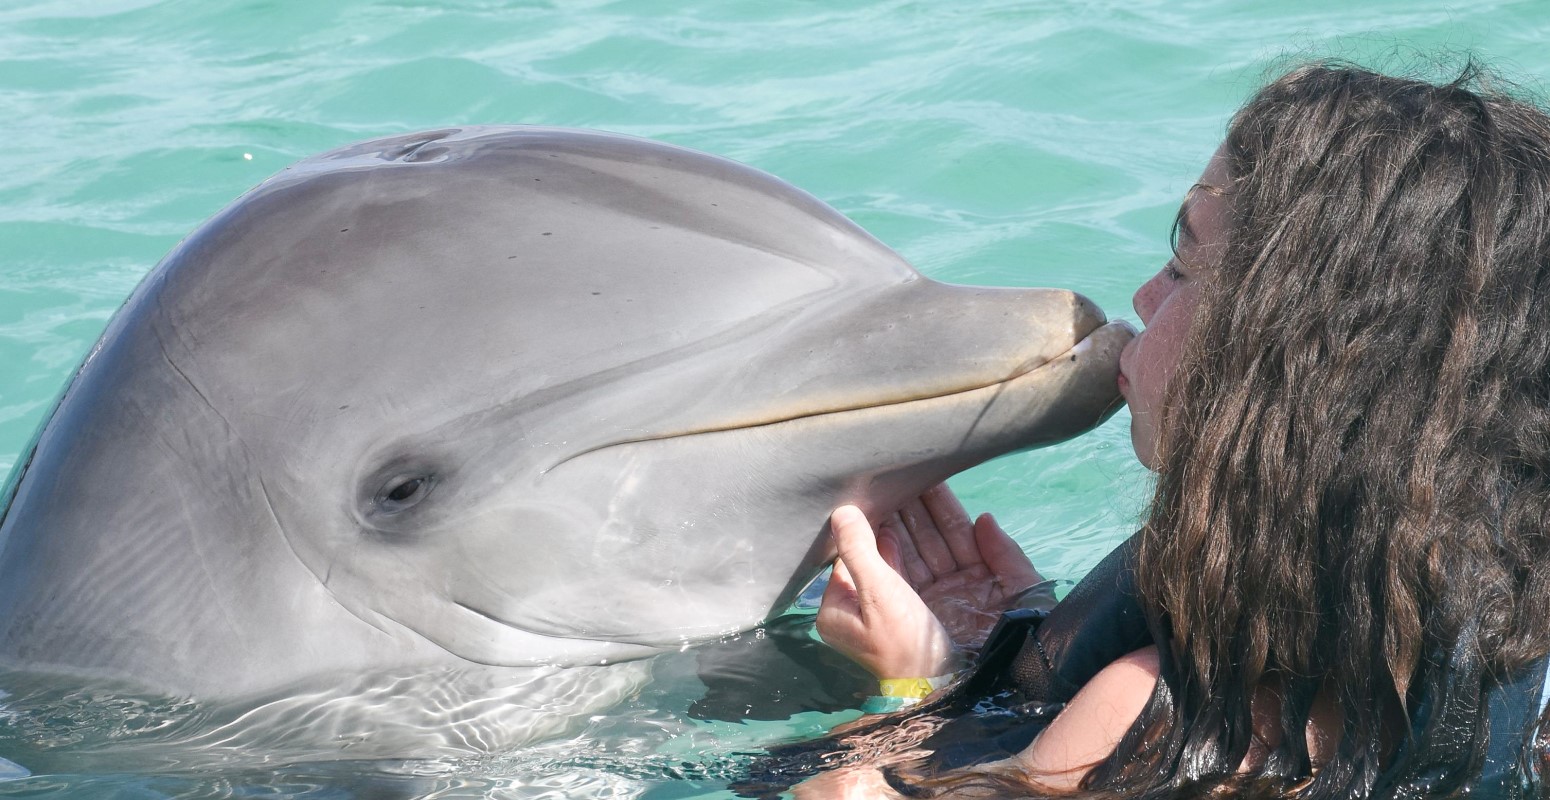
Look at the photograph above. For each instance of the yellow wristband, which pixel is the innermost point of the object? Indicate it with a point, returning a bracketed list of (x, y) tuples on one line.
[(897, 694), (905, 688)]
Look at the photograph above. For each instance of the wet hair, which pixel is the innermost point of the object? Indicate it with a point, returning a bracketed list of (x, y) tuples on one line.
[(1353, 491), (1354, 484)]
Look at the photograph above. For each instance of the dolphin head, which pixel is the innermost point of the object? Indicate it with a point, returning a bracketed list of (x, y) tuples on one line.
[(553, 396)]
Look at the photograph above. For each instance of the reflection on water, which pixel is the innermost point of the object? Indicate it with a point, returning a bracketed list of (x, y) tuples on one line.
[(671, 724), (434, 730)]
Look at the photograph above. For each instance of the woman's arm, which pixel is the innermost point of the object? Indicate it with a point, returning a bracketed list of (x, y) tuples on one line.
[(1090, 726), (1095, 720)]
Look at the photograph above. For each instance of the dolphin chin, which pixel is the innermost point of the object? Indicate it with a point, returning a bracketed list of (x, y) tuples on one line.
[(504, 396)]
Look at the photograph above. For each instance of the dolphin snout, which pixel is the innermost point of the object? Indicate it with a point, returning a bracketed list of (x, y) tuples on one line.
[(1088, 310), (1086, 316)]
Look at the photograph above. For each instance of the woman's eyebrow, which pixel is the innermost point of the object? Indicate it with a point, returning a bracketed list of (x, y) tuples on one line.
[(1182, 220), (1185, 231)]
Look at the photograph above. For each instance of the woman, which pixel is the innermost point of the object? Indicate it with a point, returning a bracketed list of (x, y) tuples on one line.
[(1344, 389)]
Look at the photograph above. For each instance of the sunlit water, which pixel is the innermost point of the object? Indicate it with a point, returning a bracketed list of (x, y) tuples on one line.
[(1026, 143)]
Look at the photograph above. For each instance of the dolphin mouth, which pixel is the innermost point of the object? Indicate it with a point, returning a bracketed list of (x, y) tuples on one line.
[(652, 641), (1083, 345), (502, 621)]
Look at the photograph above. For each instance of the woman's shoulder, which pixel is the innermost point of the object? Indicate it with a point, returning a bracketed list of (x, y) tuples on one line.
[(1095, 720), (1134, 673)]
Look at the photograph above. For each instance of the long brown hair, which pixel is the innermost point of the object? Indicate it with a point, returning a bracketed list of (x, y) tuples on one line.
[(1354, 484), (1353, 491)]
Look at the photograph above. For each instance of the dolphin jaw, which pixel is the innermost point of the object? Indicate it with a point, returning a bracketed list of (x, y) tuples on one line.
[(511, 645), (590, 647), (1091, 363)]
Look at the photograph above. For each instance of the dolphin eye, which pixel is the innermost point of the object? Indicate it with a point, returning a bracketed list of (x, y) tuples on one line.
[(403, 492)]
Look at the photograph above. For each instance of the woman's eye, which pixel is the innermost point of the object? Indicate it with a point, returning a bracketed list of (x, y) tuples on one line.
[(1172, 272)]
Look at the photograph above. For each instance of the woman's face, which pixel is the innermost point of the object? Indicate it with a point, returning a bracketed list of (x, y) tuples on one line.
[(1166, 304)]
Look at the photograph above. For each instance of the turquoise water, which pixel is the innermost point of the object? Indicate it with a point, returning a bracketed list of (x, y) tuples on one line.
[(1026, 143)]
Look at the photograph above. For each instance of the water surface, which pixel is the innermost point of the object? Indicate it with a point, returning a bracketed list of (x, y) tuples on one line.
[(1026, 143)]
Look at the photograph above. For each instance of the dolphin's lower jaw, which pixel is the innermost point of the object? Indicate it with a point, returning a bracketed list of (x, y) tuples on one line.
[(511, 645), (927, 439)]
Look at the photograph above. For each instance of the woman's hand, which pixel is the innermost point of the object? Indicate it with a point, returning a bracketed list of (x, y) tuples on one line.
[(967, 573), (892, 592), (871, 614)]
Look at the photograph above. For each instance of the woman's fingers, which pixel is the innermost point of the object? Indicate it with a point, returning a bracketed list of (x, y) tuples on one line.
[(888, 547), (839, 616), (1003, 556), (840, 581), (870, 612), (929, 543), (862, 564), (915, 567), (953, 522), (857, 544)]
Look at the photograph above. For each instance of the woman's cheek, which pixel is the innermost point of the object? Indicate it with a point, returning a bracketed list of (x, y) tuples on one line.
[(1158, 352)]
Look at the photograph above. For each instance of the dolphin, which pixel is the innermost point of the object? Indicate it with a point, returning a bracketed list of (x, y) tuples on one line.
[(503, 396)]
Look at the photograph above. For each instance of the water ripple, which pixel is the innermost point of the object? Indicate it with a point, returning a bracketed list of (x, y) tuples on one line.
[(1007, 141)]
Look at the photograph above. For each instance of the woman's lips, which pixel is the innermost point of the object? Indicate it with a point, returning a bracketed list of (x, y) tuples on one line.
[(1124, 383)]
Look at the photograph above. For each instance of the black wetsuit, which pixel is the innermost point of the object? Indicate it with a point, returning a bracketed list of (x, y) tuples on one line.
[(1035, 662), (1034, 657)]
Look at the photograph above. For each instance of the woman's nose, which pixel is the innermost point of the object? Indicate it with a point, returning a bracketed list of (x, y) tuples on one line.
[(1147, 298)]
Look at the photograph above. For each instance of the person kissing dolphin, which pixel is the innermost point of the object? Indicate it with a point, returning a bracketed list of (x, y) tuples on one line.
[(507, 396)]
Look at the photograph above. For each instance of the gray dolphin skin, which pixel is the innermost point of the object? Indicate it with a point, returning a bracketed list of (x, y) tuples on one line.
[(504, 396)]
